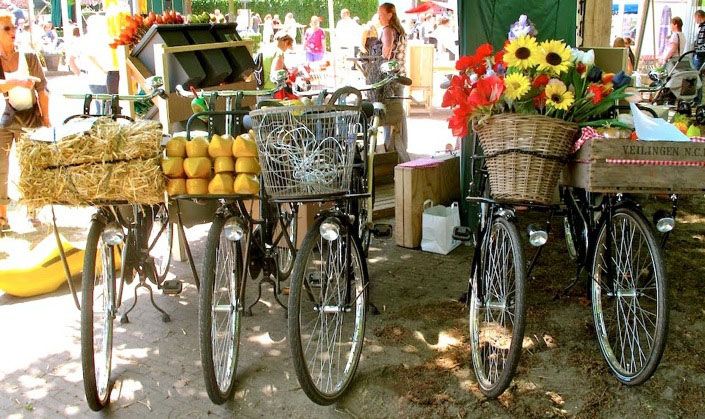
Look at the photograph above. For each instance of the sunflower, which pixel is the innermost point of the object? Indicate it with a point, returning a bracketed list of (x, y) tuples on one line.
[(558, 97), (522, 52), (517, 85), (553, 56)]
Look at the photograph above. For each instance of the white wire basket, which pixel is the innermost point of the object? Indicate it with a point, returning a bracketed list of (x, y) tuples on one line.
[(306, 152)]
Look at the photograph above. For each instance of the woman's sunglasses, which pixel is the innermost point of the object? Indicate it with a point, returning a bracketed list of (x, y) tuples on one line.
[(8, 28)]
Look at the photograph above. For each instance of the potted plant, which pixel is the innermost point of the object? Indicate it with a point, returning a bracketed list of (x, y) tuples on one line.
[(526, 104)]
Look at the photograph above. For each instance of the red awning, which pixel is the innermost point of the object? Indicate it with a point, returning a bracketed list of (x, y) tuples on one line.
[(429, 6)]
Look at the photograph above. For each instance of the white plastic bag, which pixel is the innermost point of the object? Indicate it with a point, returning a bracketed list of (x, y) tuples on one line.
[(437, 227)]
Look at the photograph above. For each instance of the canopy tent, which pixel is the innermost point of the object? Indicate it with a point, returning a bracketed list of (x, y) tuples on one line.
[(429, 6)]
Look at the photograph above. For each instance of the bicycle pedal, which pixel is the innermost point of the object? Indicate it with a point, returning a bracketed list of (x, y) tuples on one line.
[(382, 231), (172, 287), (464, 234)]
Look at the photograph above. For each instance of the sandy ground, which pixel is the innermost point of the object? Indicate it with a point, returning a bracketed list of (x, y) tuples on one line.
[(415, 361)]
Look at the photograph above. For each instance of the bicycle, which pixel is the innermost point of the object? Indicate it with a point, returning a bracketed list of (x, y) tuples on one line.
[(132, 238), (323, 154), (269, 251), (600, 233)]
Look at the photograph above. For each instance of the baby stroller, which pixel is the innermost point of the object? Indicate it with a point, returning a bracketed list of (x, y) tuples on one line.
[(677, 84)]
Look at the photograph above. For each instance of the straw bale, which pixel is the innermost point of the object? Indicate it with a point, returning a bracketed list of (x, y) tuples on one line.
[(137, 181), (106, 141)]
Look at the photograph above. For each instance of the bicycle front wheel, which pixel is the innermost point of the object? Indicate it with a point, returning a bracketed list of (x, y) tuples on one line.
[(97, 316), (220, 312), (285, 254), (497, 308), (327, 313), (629, 297)]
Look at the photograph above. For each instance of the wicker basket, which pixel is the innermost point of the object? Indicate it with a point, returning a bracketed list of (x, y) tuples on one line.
[(525, 155)]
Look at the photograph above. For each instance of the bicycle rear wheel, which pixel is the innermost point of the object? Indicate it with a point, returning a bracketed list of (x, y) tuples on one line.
[(497, 308), (97, 316), (629, 297), (327, 313), (220, 312)]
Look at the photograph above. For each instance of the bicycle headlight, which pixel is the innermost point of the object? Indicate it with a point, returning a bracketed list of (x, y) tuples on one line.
[(537, 237), (113, 234), (234, 229), (330, 229), (664, 222)]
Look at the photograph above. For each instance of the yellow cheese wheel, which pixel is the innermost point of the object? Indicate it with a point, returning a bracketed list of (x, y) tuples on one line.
[(247, 165), (176, 147), (220, 146), (176, 187), (197, 147), (246, 184), (173, 167), (197, 186), (244, 146), (222, 183), (224, 164), (197, 167)]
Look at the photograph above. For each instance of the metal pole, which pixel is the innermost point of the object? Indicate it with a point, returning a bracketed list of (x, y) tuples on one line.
[(644, 16), (333, 40), (30, 8), (64, 13)]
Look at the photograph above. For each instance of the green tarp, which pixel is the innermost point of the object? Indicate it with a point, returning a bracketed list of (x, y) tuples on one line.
[(489, 21)]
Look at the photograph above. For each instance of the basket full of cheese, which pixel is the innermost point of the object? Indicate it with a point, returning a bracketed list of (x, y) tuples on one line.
[(221, 165)]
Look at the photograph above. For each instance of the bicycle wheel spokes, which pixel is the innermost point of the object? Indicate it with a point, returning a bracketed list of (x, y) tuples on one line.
[(327, 314), (497, 310), (103, 316), (629, 302), (285, 255)]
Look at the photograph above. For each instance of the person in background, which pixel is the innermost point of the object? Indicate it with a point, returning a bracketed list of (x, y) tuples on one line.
[(23, 86), (290, 26), (314, 41), (242, 21), (17, 13), (369, 35), (274, 59), (73, 52), (256, 23), (97, 61), (675, 46), (22, 38), (392, 47), (219, 17), (267, 29), (50, 37), (619, 43), (347, 33), (446, 37), (699, 45)]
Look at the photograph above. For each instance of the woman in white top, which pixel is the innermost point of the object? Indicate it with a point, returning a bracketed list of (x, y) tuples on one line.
[(676, 42), (290, 26)]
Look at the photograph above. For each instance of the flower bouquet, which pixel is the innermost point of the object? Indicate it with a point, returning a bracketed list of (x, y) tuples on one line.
[(526, 103)]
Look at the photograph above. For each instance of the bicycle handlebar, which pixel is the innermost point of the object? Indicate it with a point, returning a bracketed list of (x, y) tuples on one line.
[(107, 96), (225, 93)]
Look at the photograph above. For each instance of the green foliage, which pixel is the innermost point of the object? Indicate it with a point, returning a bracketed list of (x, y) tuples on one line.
[(302, 10)]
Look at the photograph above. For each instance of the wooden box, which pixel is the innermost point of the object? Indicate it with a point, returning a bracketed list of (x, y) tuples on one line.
[(621, 165), (436, 179)]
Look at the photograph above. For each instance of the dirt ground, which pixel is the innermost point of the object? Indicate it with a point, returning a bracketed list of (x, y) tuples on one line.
[(416, 356)]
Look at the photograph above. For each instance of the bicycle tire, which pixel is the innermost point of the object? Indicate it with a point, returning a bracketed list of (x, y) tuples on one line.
[(630, 222), (493, 364), (97, 367), (219, 369), (303, 282)]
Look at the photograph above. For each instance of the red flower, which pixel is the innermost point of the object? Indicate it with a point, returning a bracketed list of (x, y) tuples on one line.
[(480, 68), (580, 68), (597, 91), (483, 51), (457, 92), (458, 122), (540, 81), (540, 100), (465, 62), (498, 60), (487, 92)]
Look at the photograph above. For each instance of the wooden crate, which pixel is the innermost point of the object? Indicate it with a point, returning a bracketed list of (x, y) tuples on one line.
[(439, 182), (620, 165)]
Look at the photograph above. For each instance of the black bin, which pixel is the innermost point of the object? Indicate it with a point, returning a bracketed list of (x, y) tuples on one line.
[(213, 61), (185, 69), (240, 59)]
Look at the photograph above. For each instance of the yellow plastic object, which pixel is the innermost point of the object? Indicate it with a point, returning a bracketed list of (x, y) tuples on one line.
[(220, 146), (173, 167), (244, 146), (247, 165), (197, 167), (197, 186), (224, 164), (197, 147), (176, 147), (246, 184), (221, 184), (175, 187), (40, 271)]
